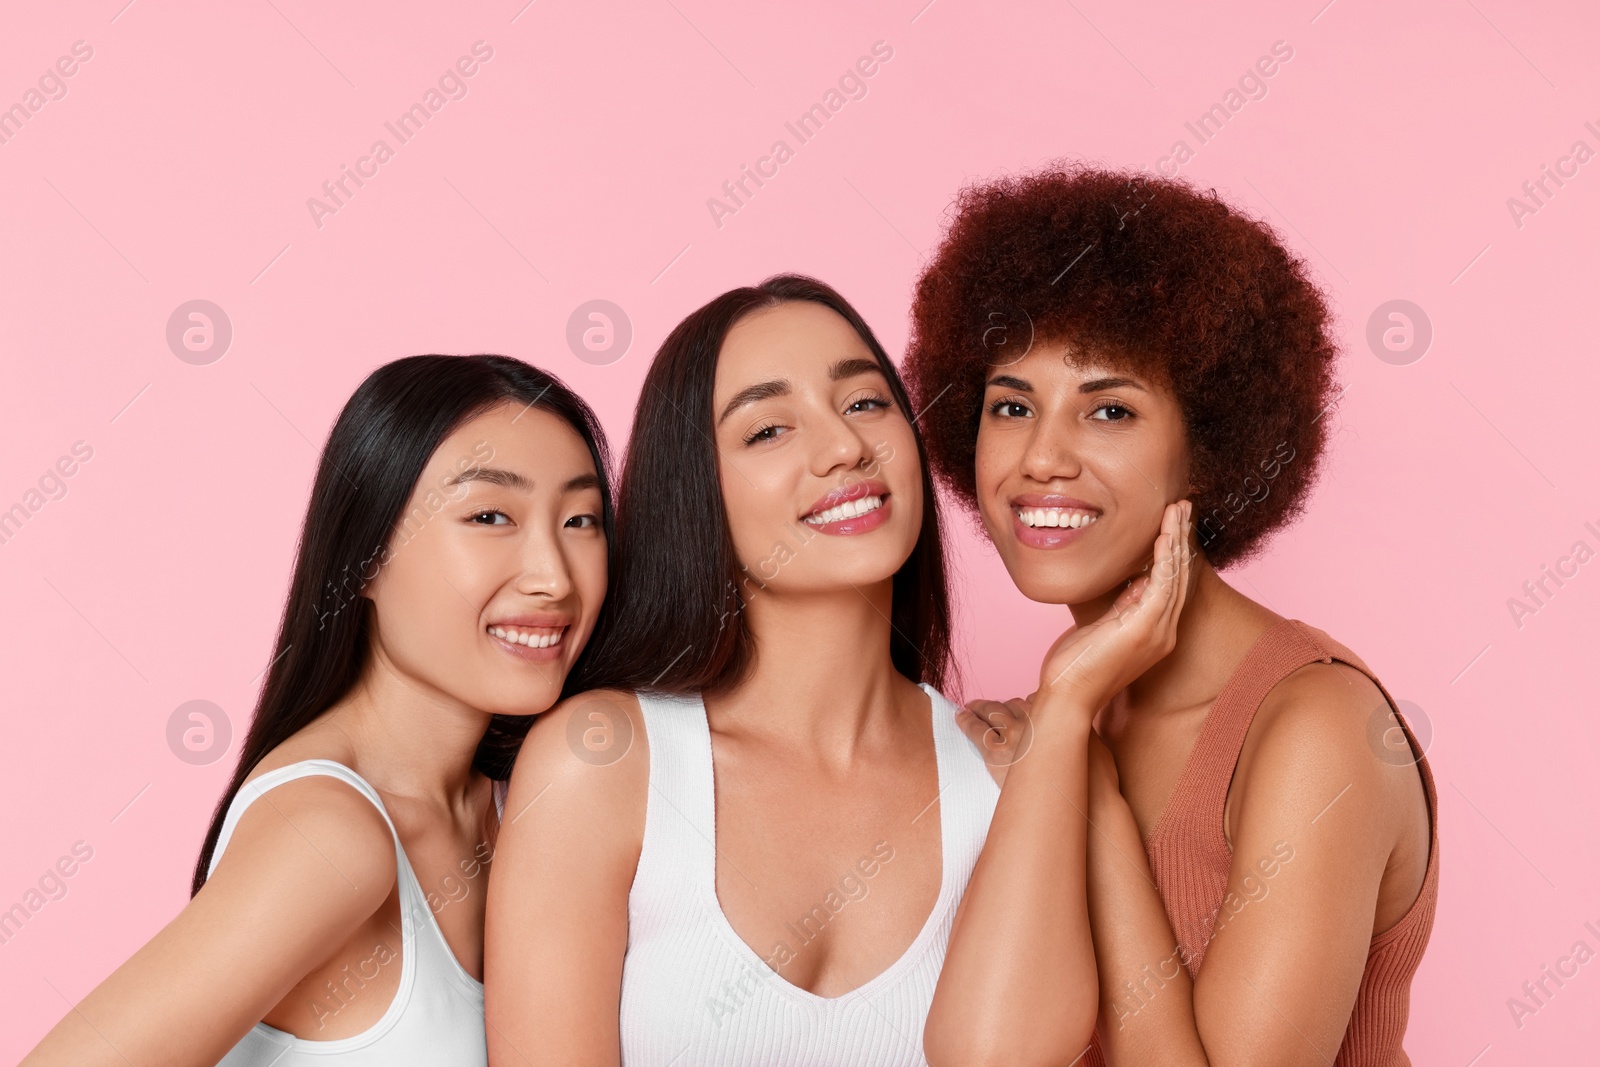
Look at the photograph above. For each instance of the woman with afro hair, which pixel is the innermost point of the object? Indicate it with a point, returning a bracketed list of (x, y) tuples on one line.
[(1125, 381)]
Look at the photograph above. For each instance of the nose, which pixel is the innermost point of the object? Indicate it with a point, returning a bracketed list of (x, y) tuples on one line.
[(1050, 453), (839, 445), (544, 567)]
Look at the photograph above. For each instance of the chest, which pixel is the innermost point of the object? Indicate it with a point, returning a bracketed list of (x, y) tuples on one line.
[(1152, 753), (828, 879), (452, 862)]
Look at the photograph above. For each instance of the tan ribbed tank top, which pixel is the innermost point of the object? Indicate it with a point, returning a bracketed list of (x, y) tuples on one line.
[(1190, 857)]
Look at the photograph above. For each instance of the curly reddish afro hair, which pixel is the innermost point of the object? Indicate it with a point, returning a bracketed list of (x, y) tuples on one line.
[(1153, 276)]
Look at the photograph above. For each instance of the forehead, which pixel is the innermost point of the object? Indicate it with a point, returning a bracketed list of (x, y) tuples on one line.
[(530, 440), (791, 340), (1066, 363)]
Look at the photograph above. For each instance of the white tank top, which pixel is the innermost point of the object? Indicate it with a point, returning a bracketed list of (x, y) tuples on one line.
[(436, 1016), (693, 993)]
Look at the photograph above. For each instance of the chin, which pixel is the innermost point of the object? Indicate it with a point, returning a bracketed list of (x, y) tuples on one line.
[(1058, 583)]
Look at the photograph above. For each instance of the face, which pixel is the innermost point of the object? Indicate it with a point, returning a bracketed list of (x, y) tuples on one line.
[(1075, 461), (818, 464), (493, 577)]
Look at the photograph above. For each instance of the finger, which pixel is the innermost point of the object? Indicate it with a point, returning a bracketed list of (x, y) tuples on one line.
[(1187, 559), (975, 729), (1143, 599), (1168, 562), (984, 710)]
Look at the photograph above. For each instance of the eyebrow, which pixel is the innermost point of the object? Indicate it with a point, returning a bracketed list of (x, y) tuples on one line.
[(845, 368), (1093, 385), (513, 480)]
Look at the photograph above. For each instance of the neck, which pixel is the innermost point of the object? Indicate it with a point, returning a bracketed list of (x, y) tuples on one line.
[(412, 739), (824, 659), (1214, 629)]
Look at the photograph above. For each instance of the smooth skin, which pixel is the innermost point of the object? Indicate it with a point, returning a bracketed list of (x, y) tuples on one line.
[(307, 885), (1279, 980), (822, 751)]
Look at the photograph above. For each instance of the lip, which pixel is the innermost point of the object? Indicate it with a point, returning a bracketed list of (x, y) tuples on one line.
[(1047, 537), (533, 620), (859, 524), (845, 494)]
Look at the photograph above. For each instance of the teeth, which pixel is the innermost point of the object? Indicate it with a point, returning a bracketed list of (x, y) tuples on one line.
[(848, 510), (532, 637), (1066, 518)]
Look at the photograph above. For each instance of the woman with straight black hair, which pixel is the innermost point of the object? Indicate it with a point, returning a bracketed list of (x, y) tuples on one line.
[(747, 841), (450, 570)]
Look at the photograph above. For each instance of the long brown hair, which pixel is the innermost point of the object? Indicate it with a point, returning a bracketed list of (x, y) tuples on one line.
[(674, 621)]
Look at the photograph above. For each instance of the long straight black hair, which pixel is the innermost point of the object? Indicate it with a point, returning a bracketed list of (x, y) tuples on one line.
[(674, 621), (383, 439)]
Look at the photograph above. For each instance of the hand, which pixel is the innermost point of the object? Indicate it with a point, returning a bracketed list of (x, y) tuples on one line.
[(1090, 664), (1002, 731)]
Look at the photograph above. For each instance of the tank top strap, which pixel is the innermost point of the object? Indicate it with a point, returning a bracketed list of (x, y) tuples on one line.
[(1198, 799), (680, 811), (413, 902), (260, 785), (1380, 729)]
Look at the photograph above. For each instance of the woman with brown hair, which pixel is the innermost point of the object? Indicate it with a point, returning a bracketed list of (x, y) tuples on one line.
[(747, 842), (1092, 347)]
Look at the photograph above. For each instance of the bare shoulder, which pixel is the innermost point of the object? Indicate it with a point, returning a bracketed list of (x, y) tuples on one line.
[(317, 838), (592, 747), (1321, 731)]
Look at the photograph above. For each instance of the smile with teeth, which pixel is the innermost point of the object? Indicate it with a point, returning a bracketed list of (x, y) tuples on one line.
[(531, 636), (850, 509), (1066, 518)]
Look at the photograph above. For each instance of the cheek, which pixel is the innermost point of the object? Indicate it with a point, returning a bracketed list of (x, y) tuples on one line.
[(995, 461), (587, 567), (758, 499), (430, 598)]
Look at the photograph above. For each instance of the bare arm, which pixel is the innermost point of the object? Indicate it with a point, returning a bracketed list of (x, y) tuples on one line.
[(557, 925), (308, 862), (1019, 984), (1316, 821)]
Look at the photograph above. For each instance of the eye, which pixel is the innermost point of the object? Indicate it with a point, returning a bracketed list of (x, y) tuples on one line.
[(1009, 408), (869, 402), (582, 522), (477, 516), (1108, 407), (767, 432)]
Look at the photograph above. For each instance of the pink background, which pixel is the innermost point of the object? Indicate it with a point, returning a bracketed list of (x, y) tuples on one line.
[(578, 166)]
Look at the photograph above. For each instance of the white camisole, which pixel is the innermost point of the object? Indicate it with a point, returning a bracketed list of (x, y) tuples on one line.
[(436, 1016), (694, 994)]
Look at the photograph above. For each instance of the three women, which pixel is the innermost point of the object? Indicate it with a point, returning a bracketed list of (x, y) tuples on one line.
[(752, 832)]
